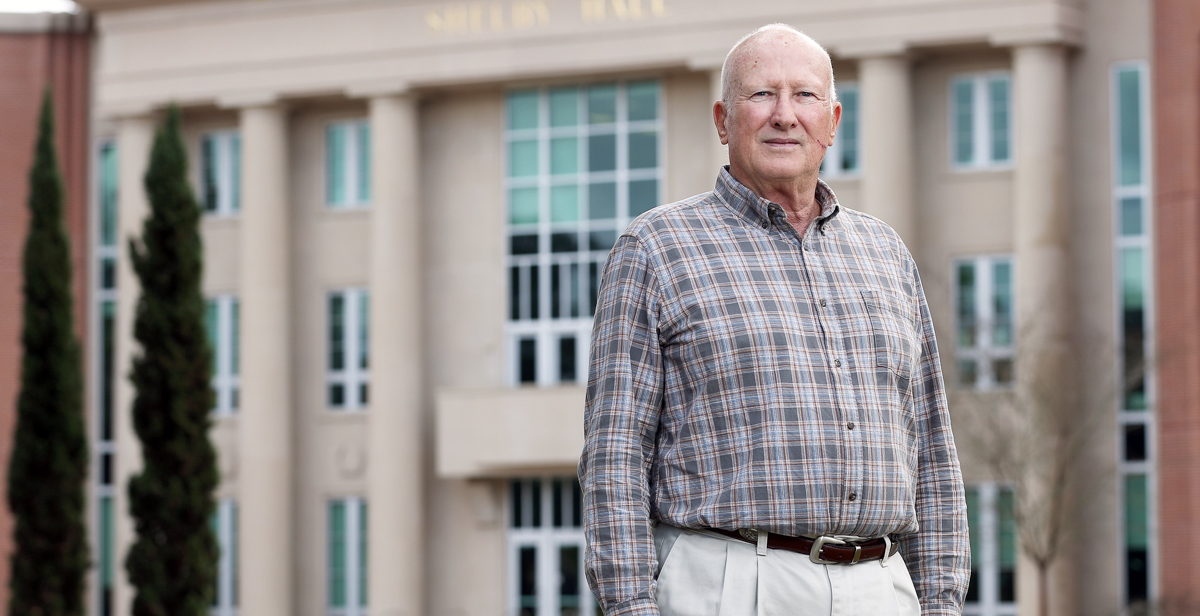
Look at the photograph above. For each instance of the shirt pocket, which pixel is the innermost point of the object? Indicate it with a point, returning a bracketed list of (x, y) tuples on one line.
[(892, 336)]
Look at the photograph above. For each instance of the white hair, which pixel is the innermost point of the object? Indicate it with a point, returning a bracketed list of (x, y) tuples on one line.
[(727, 75)]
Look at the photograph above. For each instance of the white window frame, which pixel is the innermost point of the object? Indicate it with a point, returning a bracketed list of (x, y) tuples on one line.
[(545, 330), (225, 602), (227, 381), (989, 603), (356, 330), (352, 163), (1125, 417), (227, 158), (547, 540), (985, 353), (355, 604), (834, 152), (981, 131)]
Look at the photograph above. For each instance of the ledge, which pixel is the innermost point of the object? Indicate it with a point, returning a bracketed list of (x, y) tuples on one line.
[(506, 432)]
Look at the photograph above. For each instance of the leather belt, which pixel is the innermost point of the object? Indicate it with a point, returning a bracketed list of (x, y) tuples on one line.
[(822, 550)]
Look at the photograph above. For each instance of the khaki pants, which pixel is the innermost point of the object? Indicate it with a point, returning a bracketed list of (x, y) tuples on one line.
[(706, 574)]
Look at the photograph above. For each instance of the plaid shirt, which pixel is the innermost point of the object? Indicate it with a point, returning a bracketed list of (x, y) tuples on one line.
[(743, 376)]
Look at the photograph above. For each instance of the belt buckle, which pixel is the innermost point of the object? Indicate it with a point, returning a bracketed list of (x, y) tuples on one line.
[(820, 542)]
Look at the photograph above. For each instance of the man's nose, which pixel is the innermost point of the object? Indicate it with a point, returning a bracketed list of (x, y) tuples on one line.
[(783, 116)]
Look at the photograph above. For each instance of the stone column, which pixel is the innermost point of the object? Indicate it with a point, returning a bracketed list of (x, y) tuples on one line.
[(1041, 211), (265, 430), (134, 137), (395, 414), (719, 152), (885, 101)]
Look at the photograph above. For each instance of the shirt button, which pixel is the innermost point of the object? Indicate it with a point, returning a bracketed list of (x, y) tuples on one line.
[(766, 224), (822, 303), (837, 363), (853, 496), (850, 426)]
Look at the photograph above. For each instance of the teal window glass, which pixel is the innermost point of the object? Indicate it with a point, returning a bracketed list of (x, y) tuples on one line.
[(211, 325), (523, 109), (523, 158), (564, 107), (1129, 132), (564, 203), (335, 164), (1137, 538), (337, 554), (602, 152), (235, 172), (643, 150), (106, 543), (364, 162), (999, 125), (848, 131), (1002, 304), (236, 335), (643, 101), (1131, 216), (364, 330), (966, 304), (643, 195), (602, 104), (964, 121), (602, 201), (337, 331), (564, 155), (523, 206), (363, 544), (108, 195), (208, 172)]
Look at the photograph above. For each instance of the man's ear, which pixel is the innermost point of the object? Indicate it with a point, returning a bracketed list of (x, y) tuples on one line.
[(721, 119), (835, 123)]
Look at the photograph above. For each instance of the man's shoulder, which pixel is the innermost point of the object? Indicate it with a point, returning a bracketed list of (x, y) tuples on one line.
[(672, 218)]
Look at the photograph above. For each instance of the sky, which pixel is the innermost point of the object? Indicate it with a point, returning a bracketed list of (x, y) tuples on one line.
[(36, 6)]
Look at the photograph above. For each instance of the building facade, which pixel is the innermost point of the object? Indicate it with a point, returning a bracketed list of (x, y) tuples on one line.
[(409, 204), (38, 52)]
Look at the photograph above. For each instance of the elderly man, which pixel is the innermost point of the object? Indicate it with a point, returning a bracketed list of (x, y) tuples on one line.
[(766, 426)]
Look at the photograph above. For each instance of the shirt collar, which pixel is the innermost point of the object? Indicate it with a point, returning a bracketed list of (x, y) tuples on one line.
[(758, 210)]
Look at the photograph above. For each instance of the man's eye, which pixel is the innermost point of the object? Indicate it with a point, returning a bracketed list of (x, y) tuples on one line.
[(807, 94)]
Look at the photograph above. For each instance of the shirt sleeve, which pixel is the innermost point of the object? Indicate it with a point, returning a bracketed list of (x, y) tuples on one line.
[(624, 398), (939, 554)]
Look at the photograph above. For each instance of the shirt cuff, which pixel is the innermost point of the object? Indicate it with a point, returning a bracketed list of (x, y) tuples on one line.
[(634, 607), (941, 609)]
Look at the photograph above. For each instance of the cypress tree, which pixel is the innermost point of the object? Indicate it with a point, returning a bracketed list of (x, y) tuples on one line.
[(173, 562), (49, 460)]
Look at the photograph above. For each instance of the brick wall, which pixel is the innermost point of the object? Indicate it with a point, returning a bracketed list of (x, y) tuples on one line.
[(1176, 93), (29, 61)]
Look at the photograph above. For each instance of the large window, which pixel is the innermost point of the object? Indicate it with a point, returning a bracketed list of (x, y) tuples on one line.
[(222, 317), (104, 311), (981, 120), (1131, 206), (220, 172), (546, 549), (347, 557), (348, 356), (842, 158), (983, 300), (582, 162), (348, 164), (225, 527), (993, 587)]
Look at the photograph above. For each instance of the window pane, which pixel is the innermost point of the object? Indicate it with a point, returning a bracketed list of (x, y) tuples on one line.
[(523, 206), (1131, 216), (643, 101), (1135, 443), (235, 344), (1130, 130), (514, 293), (364, 163), (964, 121), (235, 164), (602, 240), (528, 360), (602, 152), (534, 293), (522, 158), (208, 172), (974, 528), (337, 395), (1136, 537), (523, 109), (564, 155), (966, 305), (564, 107), (602, 104), (364, 330), (337, 554), (535, 507), (564, 242), (602, 201), (523, 244), (968, 372), (108, 195), (643, 150), (556, 272), (998, 93), (337, 332), (1002, 305), (1132, 272), (568, 576), (518, 515), (556, 503), (566, 362), (108, 324), (643, 195), (212, 325), (1006, 543), (362, 553), (527, 581), (564, 203), (335, 164), (1002, 371), (848, 132)]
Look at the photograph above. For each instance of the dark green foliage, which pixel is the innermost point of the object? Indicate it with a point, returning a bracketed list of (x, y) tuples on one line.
[(49, 461), (173, 562)]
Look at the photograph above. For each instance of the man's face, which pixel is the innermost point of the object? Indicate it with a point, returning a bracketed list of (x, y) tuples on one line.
[(779, 120)]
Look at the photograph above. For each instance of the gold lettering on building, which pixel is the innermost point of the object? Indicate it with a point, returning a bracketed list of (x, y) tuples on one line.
[(475, 17), (624, 10)]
